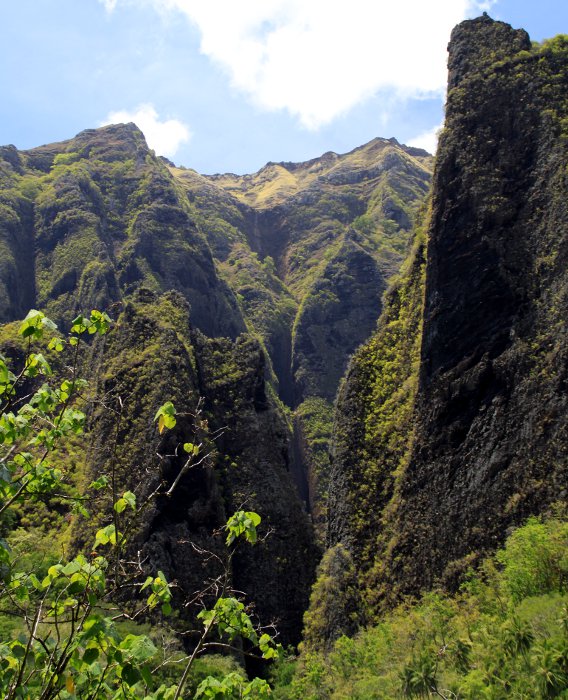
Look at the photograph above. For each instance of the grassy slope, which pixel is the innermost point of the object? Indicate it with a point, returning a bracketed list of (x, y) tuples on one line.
[(504, 635)]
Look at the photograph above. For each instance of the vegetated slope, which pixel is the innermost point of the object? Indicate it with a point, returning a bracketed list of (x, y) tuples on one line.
[(308, 249), (297, 254), (447, 439), (504, 635)]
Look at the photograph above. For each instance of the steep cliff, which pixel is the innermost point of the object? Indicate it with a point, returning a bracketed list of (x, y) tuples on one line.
[(297, 254), (486, 443), (230, 288), (98, 221)]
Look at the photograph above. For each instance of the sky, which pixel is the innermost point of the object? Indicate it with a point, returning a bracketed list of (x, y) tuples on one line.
[(228, 85)]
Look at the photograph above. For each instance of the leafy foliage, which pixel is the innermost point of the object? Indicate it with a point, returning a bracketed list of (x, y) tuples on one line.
[(242, 523), (336, 608)]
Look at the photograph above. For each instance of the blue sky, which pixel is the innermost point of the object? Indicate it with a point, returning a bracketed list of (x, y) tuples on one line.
[(227, 85)]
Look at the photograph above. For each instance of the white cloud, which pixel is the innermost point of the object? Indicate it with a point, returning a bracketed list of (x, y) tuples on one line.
[(319, 58), (428, 140), (165, 137), (109, 5)]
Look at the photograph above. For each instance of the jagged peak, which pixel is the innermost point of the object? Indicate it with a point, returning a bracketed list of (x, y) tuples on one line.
[(480, 41), (122, 129)]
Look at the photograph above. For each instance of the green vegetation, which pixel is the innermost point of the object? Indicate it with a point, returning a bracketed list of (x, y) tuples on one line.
[(504, 635), (336, 608), (62, 614), (298, 255), (313, 425)]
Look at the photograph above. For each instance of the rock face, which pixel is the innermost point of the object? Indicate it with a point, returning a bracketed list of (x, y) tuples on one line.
[(99, 222), (332, 231), (153, 356), (487, 441)]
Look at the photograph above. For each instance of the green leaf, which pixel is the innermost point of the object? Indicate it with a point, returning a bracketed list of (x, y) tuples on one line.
[(91, 654), (120, 505), (127, 499), (71, 568), (211, 688), (100, 322), (36, 364), (100, 483), (165, 416), (268, 648), (139, 648), (34, 324), (130, 675), (79, 325), (258, 688), (19, 650), (54, 571), (242, 523), (146, 583), (106, 535), (146, 675), (130, 498), (36, 583), (56, 344)]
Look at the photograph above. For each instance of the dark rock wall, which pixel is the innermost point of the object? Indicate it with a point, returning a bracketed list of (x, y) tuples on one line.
[(373, 428), (339, 314), (254, 466), (492, 414), (487, 445)]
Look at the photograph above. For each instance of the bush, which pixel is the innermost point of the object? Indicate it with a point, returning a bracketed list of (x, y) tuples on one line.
[(535, 559)]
